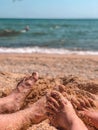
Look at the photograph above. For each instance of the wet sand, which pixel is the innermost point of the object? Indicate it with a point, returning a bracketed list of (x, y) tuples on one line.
[(73, 71)]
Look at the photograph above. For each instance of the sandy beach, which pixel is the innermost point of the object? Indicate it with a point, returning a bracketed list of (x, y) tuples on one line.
[(74, 71), (51, 65)]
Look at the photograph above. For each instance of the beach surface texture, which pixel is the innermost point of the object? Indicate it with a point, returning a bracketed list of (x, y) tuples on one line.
[(78, 74)]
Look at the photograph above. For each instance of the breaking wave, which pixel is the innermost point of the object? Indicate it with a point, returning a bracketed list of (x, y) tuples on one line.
[(46, 51)]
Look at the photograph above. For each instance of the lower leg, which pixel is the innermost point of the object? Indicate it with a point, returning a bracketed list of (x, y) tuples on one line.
[(77, 124), (23, 119)]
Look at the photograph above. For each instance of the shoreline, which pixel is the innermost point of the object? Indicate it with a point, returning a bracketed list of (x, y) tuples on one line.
[(44, 50)]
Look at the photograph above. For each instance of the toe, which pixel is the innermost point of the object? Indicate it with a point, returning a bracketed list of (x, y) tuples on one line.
[(51, 108), (53, 101), (92, 103), (35, 75), (59, 98)]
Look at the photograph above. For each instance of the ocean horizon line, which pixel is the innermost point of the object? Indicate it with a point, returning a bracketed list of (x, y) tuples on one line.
[(52, 18)]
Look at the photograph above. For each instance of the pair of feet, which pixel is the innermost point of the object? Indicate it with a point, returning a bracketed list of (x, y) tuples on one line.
[(60, 110), (21, 120), (62, 114)]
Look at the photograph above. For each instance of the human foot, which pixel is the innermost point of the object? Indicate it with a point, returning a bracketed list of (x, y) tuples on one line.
[(15, 100), (79, 98), (92, 114), (22, 119), (61, 113)]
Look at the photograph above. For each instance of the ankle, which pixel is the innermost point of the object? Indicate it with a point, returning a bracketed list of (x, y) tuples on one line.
[(77, 123)]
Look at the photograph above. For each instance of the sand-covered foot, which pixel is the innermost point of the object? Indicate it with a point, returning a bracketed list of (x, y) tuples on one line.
[(61, 113), (15, 100), (22, 119), (77, 97), (92, 114), (85, 102), (81, 97)]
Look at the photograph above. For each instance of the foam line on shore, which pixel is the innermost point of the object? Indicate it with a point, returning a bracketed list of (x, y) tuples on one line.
[(45, 50)]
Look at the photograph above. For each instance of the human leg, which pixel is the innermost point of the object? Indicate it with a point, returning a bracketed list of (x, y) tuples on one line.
[(22, 119)]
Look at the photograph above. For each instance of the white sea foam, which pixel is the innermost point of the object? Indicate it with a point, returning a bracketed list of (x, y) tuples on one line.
[(45, 50)]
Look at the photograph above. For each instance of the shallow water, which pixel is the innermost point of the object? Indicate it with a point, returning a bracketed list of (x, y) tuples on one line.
[(49, 35)]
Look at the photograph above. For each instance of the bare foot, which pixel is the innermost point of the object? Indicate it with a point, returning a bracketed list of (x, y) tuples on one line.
[(79, 98), (15, 100), (92, 114), (61, 113), (22, 119), (81, 103)]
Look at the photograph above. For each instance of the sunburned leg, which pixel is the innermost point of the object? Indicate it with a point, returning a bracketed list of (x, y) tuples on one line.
[(62, 114), (92, 114), (21, 120), (15, 100)]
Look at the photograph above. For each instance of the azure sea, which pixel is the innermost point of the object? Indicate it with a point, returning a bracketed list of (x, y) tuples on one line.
[(49, 35)]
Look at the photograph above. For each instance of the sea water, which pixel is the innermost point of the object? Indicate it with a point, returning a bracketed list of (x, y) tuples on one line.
[(62, 36)]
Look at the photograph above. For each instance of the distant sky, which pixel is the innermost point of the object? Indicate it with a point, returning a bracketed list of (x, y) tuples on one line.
[(49, 9)]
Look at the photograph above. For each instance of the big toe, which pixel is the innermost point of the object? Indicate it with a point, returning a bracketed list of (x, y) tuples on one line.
[(35, 75)]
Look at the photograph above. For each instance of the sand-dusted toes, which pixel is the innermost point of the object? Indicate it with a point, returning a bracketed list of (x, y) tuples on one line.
[(15, 100), (61, 113), (56, 110)]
